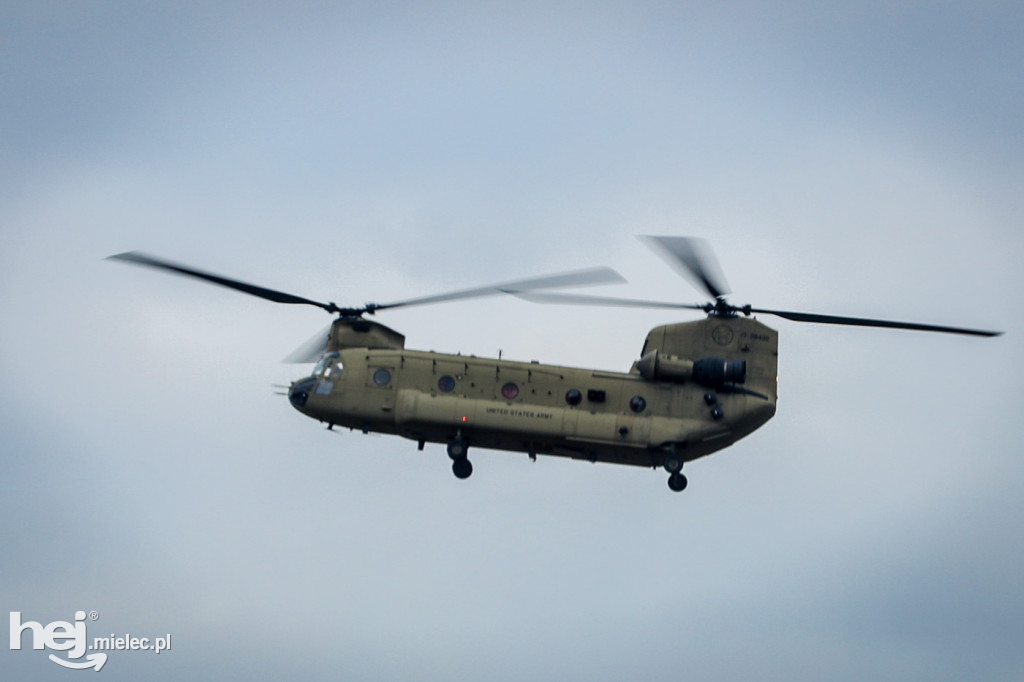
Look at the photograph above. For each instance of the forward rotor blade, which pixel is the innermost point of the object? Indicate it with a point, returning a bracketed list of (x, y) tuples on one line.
[(582, 299), (866, 322), (692, 258), (577, 278), (312, 349), (138, 258)]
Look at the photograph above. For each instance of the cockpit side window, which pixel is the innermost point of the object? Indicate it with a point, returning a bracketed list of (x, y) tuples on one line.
[(330, 362)]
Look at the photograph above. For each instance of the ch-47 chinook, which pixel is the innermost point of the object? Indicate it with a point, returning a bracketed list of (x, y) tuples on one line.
[(697, 387)]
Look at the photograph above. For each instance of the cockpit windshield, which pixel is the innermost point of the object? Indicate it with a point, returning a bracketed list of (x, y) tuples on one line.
[(328, 363)]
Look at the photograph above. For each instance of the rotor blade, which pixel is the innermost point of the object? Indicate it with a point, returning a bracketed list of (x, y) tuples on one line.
[(581, 299), (251, 289), (312, 349), (866, 322), (692, 258), (577, 278)]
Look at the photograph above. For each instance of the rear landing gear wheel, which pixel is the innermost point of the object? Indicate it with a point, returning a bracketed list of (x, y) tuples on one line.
[(677, 482), (462, 468), (673, 462)]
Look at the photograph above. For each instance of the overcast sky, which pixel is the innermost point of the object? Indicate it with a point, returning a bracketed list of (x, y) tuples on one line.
[(863, 160)]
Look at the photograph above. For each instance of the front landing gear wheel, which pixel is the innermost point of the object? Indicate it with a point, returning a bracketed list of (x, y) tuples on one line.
[(457, 448), (462, 468), (677, 482)]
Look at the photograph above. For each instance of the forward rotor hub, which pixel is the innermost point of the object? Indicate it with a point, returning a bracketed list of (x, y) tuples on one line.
[(722, 308)]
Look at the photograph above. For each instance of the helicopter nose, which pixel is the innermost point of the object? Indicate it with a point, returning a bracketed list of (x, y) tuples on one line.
[(299, 393)]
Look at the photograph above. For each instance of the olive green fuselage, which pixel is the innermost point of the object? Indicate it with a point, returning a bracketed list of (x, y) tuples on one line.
[(621, 417)]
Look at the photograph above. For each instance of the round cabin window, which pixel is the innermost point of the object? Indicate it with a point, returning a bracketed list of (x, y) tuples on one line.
[(382, 377), (509, 390), (446, 384), (574, 397), (637, 404)]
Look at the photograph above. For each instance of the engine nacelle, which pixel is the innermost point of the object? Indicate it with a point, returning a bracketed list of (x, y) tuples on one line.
[(708, 372)]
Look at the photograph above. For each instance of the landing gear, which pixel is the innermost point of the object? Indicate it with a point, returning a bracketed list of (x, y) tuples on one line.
[(462, 468), (677, 482), (458, 449), (673, 463)]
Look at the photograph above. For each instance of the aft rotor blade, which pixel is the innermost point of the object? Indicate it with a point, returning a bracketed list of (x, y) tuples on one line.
[(269, 294), (582, 299), (576, 278), (866, 322), (692, 258)]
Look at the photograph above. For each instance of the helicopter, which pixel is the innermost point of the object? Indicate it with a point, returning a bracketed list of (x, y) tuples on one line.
[(697, 387)]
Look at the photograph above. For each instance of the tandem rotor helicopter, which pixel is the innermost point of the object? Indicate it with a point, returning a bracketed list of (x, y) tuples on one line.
[(697, 388)]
